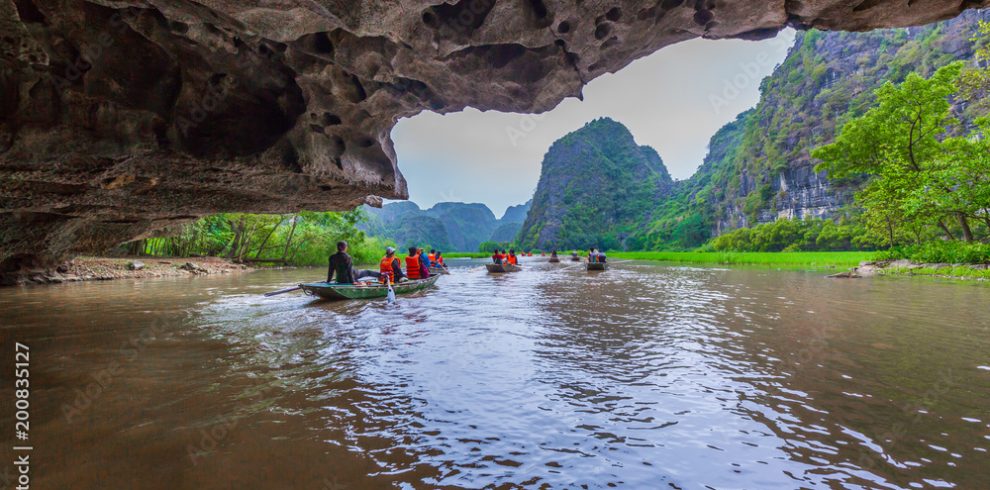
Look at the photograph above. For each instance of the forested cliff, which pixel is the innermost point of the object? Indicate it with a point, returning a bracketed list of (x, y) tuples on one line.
[(758, 168)]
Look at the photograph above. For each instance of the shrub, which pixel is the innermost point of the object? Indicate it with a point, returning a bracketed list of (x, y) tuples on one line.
[(940, 252)]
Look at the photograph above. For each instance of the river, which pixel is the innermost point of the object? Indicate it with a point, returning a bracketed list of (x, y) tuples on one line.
[(644, 376)]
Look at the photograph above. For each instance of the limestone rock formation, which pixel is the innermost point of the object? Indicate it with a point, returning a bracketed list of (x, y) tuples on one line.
[(120, 117), (597, 187)]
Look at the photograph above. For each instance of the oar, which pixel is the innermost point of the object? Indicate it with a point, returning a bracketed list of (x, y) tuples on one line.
[(579, 264), (282, 291), (391, 292)]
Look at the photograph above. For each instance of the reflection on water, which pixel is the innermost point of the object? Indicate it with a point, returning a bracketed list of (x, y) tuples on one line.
[(645, 376)]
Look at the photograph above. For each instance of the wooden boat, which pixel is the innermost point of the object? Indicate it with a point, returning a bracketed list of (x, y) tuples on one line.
[(554, 260), (438, 271), (338, 291), (500, 268), (575, 258), (596, 266)]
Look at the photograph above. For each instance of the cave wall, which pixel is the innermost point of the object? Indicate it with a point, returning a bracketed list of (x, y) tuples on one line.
[(121, 117)]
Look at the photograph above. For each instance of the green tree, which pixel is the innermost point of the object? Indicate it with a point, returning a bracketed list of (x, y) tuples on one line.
[(920, 177)]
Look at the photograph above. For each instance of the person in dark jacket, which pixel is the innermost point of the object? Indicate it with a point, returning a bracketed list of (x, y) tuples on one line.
[(342, 266)]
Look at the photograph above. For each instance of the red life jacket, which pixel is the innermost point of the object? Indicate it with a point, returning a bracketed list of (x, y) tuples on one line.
[(385, 267), (440, 260), (412, 266)]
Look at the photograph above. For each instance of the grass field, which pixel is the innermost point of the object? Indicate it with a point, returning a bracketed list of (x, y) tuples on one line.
[(805, 260), (952, 272), (466, 255)]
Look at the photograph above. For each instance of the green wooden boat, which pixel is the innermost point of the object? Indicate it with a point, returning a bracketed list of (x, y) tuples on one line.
[(500, 268), (337, 291), (596, 266)]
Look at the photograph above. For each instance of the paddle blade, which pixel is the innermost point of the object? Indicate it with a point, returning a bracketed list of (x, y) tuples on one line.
[(390, 298)]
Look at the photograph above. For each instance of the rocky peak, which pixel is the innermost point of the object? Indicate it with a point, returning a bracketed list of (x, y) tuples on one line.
[(595, 185)]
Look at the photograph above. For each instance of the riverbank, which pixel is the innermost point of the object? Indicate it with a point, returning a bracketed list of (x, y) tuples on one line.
[(979, 272), (790, 260), (105, 269)]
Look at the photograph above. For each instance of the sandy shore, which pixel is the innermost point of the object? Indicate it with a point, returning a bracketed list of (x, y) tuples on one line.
[(104, 269)]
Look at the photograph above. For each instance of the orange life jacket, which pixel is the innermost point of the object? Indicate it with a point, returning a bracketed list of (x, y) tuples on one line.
[(412, 266), (432, 258), (513, 260), (385, 267)]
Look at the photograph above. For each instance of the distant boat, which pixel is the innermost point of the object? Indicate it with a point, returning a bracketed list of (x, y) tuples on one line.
[(333, 290), (554, 260), (575, 258), (596, 266), (500, 268)]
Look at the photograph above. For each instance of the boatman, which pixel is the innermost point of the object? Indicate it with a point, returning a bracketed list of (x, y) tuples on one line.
[(389, 268), (342, 266)]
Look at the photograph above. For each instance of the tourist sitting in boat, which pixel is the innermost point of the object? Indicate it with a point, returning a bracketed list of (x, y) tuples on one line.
[(553, 254), (512, 259), (433, 257), (592, 257), (342, 266), (424, 264), (601, 257), (439, 260), (413, 269), (498, 257), (389, 268)]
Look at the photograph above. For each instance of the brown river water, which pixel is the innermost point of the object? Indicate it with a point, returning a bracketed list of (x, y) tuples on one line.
[(644, 376)]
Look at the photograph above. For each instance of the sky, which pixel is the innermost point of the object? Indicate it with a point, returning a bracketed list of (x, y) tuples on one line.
[(673, 100)]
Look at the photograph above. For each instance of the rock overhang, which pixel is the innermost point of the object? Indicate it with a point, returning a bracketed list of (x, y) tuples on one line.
[(121, 117)]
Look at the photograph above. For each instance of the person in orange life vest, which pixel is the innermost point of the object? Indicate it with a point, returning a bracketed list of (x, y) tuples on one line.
[(389, 267), (512, 257), (424, 264), (413, 270), (432, 257)]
